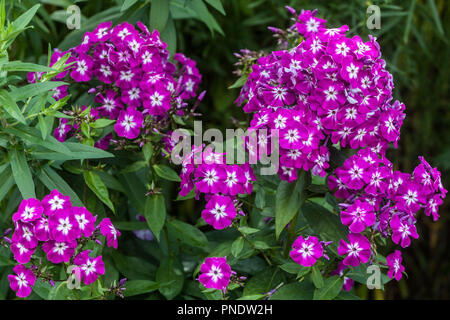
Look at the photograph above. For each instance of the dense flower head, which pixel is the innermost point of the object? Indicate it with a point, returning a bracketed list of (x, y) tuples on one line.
[(306, 251), (330, 87), (208, 173), (60, 230), (133, 76), (215, 273), (378, 197)]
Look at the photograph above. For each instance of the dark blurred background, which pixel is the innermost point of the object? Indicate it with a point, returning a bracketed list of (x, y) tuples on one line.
[(414, 42)]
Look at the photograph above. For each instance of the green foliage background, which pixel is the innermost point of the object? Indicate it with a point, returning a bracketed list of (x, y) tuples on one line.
[(414, 42)]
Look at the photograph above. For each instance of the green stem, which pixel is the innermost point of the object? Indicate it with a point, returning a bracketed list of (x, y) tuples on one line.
[(291, 235)]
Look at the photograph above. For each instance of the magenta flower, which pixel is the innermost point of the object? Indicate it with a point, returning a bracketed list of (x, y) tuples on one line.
[(357, 249), (22, 281), (63, 226), (129, 123), (21, 253), (402, 230), (29, 210), (219, 212), (109, 232), (394, 261), (210, 178), (58, 252), (358, 216), (234, 180), (61, 131), (85, 219), (82, 69), (54, 202), (91, 268), (215, 273), (110, 105), (42, 230), (24, 233), (157, 101), (306, 251)]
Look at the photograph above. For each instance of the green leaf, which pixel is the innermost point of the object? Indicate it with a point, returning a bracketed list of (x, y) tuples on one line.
[(45, 125), (52, 180), (22, 174), (294, 291), (170, 276), (237, 246), (216, 4), (22, 21), (205, 16), (289, 200), (187, 233), (435, 14), (331, 288), (294, 268), (7, 183), (155, 213), (95, 183), (35, 89), (248, 230), (323, 222), (101, 123), (127, 4), (260, 198), (159, 14), (316, 277), (169, 36), (78, 151), (147, 150), (4, 262), (10, 106), (25, 66), (32, 136), (239, 82), (166, 172), (136, 287)]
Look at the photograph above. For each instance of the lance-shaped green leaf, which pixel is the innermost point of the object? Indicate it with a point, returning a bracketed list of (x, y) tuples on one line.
[(170, 276), (22, 173), (289, 199), (323, 222), (136, 287), (330, 289), (159, 14), (155, 213), (52, 180), (166, 172), (187, 233), (34, 89), (97, 186), (23, 20), (8, 104), (26, 66)]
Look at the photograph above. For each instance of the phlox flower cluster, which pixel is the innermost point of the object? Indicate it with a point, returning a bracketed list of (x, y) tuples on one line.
[(61, 231), (219, 182), (330, 87), (136, 84), (380, 199)]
